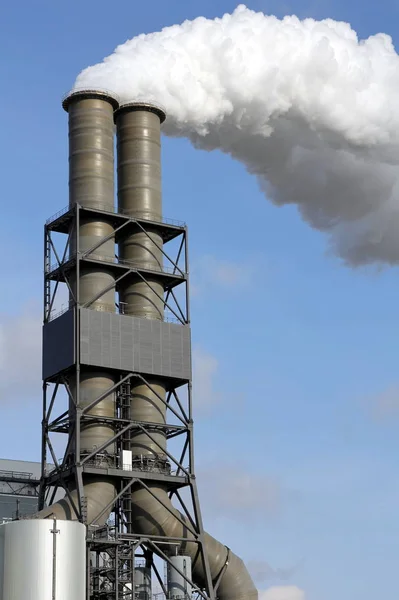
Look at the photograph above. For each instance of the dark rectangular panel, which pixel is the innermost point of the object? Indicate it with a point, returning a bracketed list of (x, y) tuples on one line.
[(58, 344), (131, 343)]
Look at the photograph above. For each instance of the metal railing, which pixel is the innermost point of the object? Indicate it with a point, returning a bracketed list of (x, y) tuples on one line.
[(119, 261), (11, 475), (101, 91), (102, 460), (58, 313), (168, 317), (58, 214), (113, 210)]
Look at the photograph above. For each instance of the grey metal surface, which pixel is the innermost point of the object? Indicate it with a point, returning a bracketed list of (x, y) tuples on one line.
[(151, 518), (37, 564), (58, 356), (91, 184), (11, 505), (21, 466), (123, 342), (135, 344), (140, 195), (2, 560), (19, 486), (91, 149), (142, 583), (139, 162), (178, 586)]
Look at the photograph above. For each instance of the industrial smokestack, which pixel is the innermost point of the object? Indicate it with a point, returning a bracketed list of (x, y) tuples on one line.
[(139, 194), (151, 511), (91, 185), (307, 107)]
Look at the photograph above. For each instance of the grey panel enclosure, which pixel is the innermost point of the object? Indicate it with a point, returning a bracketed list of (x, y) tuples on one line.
[(135, 344), (58, 344)]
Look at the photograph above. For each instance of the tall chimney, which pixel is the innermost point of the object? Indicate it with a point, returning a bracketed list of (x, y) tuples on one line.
[(139, 194), (123, 369), (91, 185)]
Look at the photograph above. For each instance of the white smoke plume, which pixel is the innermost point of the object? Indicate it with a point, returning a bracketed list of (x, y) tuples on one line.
[(306, 106)]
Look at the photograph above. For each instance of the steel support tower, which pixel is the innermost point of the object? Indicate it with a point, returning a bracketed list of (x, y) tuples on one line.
[(117, 360)]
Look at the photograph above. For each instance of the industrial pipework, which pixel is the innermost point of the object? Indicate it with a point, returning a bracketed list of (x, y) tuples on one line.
[(91, 179)]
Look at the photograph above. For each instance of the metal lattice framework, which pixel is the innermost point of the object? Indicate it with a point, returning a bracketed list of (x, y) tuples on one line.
[(117, 545), (18, 483)]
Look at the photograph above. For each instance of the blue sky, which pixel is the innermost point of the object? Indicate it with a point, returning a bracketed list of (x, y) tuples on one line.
[(296, 356)]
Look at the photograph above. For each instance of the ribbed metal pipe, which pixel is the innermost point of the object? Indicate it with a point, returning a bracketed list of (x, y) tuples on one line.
[(139, 194), (91, 185)]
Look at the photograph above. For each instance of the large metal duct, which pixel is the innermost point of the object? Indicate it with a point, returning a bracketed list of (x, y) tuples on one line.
[(139, 194), (91, 185)]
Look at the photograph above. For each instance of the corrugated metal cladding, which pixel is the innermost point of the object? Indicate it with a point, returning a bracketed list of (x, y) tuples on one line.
[(27, 503), (10, 505), (58, 344), (118, 341), (135, 344)]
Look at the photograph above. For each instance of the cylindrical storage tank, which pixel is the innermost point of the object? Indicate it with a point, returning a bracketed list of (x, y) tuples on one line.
[(142, 583), (41, 559), (178, 587)]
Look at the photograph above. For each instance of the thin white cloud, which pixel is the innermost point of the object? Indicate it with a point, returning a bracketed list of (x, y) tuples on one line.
[(205, 367), (21, 349), (222, 273), (385, 405), (262, 571), (288, 592), (231, 491), (20, 355)]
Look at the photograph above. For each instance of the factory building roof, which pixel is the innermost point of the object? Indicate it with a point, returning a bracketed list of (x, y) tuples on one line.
[(18, 488), (22, 466), (13, 506)]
